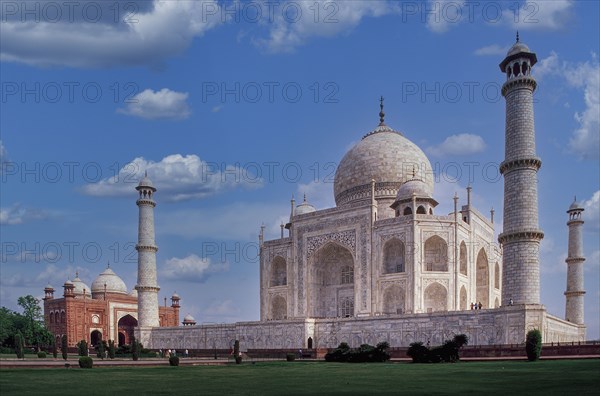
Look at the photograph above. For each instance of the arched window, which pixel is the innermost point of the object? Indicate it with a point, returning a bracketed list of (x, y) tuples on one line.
[(430, 211), (436, 254), (278, 308), (278, 272), (347, 275), (407, 211), (347, 308), (482, 279), (51, 317), (63, 317), (497, 276), (421, 210), (436, 298), (463, 258), (393, 256)]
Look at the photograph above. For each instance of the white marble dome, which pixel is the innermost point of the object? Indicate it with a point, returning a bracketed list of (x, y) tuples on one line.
[(416, 186), (304, 207), (383, 155), (80, 287), (114, 284)]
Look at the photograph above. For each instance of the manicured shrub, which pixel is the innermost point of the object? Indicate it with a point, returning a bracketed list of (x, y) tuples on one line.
[(236, 352), (111, 349), (100, 349), (174, 361), (290, 357), (135, 349), (86, 362), (63, 346), (54, 348), (364, 353), (19, 347), (533, 345), (82, 348), (448, 352), (41, 354)]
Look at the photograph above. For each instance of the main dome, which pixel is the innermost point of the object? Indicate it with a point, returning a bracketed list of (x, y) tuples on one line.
[(383, 155), (114, 284)]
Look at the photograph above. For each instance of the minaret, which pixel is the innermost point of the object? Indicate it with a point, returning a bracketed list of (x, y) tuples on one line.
[(146, 282), (575, 259), (521, 234)]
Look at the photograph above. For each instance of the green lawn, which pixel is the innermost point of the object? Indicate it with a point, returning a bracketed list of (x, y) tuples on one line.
[(574, 377)]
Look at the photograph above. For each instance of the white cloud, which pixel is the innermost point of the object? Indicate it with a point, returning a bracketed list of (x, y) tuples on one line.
[(493, 49), (177, 177), (461, 144), (52, 274), (191, 268), (318, 18), (539, 15), (142, 33), (17, 214), (591, 215), (161, 104), (442, 14), (585, 141), (319, 193)]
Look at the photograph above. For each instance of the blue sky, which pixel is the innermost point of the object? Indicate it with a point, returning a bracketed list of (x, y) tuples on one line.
[(232, 107)]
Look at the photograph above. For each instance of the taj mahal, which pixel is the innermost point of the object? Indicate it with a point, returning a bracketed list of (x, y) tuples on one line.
[(384, 265)]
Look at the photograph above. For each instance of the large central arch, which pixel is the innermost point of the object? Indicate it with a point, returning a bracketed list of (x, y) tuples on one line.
[(126, 325), (331, 282)]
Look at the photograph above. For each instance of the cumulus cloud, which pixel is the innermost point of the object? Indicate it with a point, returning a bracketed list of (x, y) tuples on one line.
[(178, 178), (308, 19), (163, 104), (461, 144), (102, 34), (492, 50), (591, 215), (585, 76), (17, 214), (540, 15), (192, 268), (443, 14)]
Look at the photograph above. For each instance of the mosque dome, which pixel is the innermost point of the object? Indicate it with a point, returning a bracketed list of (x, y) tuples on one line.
[(114, 284), (304, 207), (416, 186), (385, 156), (189, 320), (80, 286)]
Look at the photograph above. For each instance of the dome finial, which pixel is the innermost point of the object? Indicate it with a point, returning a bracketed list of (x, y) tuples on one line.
[(517, 36), (381, 113), (76, 274), (304, 197), (146, 171)]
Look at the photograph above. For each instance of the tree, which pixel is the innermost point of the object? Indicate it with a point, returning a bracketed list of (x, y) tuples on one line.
[(19, 347), (54, 348), (533, 345), (111, 349), (64, 346), (135, 348), (82, 347), (100, 349), (33, 312)]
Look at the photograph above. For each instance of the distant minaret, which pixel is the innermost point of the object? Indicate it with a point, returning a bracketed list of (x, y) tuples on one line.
[(521, 234), (575, 259), (146, 282)]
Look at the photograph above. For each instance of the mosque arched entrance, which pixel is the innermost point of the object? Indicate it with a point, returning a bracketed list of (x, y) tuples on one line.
[(331, 282), (126, 325), (95, 337)]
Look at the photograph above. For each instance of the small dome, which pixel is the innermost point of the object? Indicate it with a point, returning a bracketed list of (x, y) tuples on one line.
[(304, 207), (518, 47), (80, 287), (189, 320), (68, 283), (575, 205), (146, 182), (49, 286), (114, 284), (133, 293), (416, 186), (175, 296)]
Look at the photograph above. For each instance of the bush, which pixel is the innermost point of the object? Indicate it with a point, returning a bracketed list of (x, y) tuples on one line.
[(19, 348), (448, 352), (364, 353), (236, 352), (41, 354), (63, 346), (100, 349), (174, 361), (111, 349), (86, 362), (54, 348), (290, 357), (533, 345), (135, 349), (82, 348)]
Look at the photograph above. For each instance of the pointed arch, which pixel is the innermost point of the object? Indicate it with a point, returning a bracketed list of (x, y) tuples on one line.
[(330, 281), (435, 298), (497, 276), (421, 210), (394, 300), (436, 254), (278, 308), (463, 258), (393, 256), (482, 274), (463, 298), (407, 211), (278, 272)]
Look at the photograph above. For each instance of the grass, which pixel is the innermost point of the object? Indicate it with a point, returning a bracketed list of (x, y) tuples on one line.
[(576, 377)]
